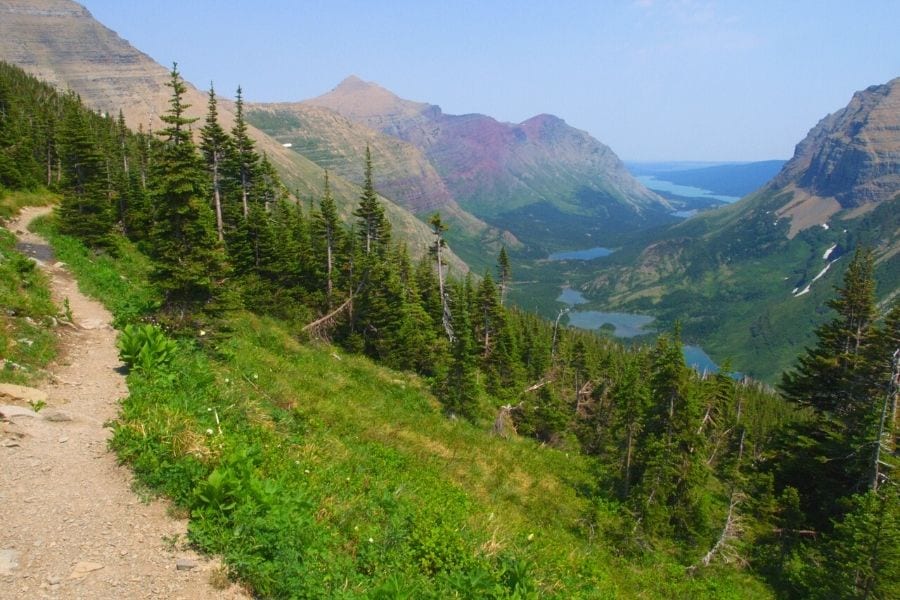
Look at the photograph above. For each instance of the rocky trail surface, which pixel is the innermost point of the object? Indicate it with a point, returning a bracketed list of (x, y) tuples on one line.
[(71, 525)]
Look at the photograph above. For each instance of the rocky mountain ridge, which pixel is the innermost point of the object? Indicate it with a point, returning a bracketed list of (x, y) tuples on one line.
[(493, 169), (749, 281), (481, 158), (60, 42), (849, 162)]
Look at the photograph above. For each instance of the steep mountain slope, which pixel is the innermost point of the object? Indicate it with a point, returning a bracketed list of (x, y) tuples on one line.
[(537, 178), (60, 42), (848, 163), (402, 172), (750, 280)]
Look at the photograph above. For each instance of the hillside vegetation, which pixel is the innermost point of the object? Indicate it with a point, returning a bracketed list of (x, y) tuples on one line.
[(317, 473), (28, 314), (338, 421)]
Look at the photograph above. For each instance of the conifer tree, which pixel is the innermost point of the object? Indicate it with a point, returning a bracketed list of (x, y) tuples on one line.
[(843, 381), (489, 316), (328, 232), (672, 450), (244, 159), (460, 389), (436, 249), (215, 145), (86, 210), (188, 262), (504, 273), (374, 228)]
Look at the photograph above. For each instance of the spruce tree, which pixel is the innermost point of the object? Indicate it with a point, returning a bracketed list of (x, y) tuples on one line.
[(188, 261), (374, 228), (459, 391), (86, 210), (327, 232), (215, 146), (842, 380), (244, 160), (504, 273), (436, 249)]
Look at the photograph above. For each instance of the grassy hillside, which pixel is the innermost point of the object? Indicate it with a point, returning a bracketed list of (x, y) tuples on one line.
[(318, 474), (28, 315)]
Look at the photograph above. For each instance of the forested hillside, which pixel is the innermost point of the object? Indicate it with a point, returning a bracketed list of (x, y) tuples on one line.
[(341, 421)]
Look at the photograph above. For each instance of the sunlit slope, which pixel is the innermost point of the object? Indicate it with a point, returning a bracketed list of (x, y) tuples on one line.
[(60, 42)]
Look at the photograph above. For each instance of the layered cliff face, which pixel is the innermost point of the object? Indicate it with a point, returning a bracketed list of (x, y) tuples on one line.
[(492, 168), (849, 162), (60, 42)]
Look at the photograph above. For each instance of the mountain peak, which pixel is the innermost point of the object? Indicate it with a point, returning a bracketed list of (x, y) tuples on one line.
[(849, 161), (352, 83), (357, 99)]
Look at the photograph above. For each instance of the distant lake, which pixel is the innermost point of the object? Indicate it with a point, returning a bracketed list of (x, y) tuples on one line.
[(626, 324), (695, 357), (685, 191), (589, 254), (571, 297)]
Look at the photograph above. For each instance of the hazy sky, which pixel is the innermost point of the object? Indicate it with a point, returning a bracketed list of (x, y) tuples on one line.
[(653, 79)]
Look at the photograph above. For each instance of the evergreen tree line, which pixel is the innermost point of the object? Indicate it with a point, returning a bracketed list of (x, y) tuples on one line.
[(712, 464)]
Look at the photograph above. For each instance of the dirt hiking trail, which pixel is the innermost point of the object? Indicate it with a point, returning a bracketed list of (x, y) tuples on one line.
[(71, 525)]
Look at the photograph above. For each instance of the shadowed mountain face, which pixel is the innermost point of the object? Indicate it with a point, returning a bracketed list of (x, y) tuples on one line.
[(498, 170), (60, 42)]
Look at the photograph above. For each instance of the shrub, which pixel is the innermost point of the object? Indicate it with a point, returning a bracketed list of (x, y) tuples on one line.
[(146, 348)]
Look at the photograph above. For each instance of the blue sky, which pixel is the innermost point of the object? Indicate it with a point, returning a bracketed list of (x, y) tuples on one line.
[(653, 79)]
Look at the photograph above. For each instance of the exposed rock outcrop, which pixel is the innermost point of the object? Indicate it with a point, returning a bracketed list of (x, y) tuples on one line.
[(851, 157)]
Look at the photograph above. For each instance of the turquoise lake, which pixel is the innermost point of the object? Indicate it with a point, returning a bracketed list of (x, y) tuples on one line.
[(628, 325), (589, 254), (685, 191)]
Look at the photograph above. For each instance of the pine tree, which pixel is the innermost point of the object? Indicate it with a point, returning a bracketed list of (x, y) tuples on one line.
[(86, 210), (215, 146), (188, 262), (244, 159), (328, 232), (504, 273), (374, 228), (842, 380)]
